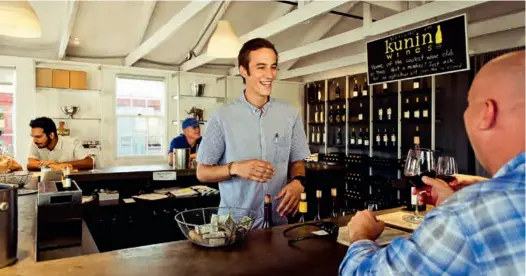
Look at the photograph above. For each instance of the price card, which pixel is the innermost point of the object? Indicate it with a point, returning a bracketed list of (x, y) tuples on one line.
[(164, 176)]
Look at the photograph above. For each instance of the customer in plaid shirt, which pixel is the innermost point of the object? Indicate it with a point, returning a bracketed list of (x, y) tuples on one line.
[(480, 229)]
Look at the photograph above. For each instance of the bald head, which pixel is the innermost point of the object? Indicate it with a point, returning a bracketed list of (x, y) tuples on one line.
[(495, 116)]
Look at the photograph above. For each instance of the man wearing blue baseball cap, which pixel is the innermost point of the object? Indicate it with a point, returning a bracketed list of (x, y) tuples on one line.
[(190, 138)]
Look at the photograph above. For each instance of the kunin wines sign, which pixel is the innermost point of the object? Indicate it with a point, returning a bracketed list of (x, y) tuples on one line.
[(433, 49)]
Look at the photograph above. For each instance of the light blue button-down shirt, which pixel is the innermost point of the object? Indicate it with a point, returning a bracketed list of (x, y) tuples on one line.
[(240, 131)]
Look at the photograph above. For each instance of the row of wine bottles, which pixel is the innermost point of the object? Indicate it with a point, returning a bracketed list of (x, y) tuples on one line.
[(338, 114), (383, 139), (418, 109), (315, 91)]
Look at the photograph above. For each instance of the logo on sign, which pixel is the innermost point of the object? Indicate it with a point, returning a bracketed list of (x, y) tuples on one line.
[(413, 44)]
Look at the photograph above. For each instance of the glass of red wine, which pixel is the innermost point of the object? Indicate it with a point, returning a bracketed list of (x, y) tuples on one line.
[(446, 168), (419, 163)]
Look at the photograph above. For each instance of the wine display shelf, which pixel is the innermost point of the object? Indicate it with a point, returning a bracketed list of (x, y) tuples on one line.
[(370, 129)]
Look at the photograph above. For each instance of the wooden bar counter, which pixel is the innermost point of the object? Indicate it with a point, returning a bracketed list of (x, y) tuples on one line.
[(263, 252)]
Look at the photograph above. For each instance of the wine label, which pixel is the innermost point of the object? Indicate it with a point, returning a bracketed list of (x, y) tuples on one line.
[(313, 137), (303, 207), (385, 138), (360, 116), (343, 118), (353, 141), (425, 113), (316, 117), (378, 139), (359, 141), (317, 137), (389, 111), (384, 86), (318, 193), (333, 191), (364, 92), (416, 85), (416, 140), (366, 142), (393, 138), (417, 114), (407, 114), (355, 93)]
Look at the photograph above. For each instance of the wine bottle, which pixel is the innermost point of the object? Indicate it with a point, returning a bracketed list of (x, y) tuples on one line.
[(389, 111), (334, 212), (425, 111), (267, 218), (438, 35), (365, 88), (416, 138), (360, 138), (380, 113), (318, 202), (303, 207), (317, 115), (378, 138), (319, 93), (366, 138), (337, 91), (416, 84), (344, 110), (386, 138), (322, 116), (355, 89), (384, 87), (313, 135), (360, 115), (393, 138), (416, 112), (318, 138), (324, 136), (331, 114), (339, 137), (353, 137), (337, 113), (407, 113)]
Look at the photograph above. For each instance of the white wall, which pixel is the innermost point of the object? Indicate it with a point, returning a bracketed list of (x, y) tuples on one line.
[(96, 117), (24, 104)]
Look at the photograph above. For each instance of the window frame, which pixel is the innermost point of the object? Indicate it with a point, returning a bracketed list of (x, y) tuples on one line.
[(163, 117)]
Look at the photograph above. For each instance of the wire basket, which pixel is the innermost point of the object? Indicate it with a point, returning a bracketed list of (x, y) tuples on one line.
[(20, 178), (216, 226)]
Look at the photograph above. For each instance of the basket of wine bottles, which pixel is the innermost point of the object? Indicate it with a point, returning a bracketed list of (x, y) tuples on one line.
[(216, 226)]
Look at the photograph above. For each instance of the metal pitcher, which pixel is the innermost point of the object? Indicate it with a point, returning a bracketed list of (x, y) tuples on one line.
[(181, 158), (8, 224)]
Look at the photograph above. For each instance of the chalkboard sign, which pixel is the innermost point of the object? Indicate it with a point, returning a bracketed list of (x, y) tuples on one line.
[(434, 49)]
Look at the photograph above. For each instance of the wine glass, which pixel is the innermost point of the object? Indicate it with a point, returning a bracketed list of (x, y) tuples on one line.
[(446, 168), (93, 152), (419, 163)]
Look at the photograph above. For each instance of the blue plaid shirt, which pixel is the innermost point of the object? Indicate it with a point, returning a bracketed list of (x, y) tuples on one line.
[(240, 131), (477, 231)]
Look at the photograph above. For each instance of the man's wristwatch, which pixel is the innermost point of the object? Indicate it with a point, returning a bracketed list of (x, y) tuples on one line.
[(300, 178)]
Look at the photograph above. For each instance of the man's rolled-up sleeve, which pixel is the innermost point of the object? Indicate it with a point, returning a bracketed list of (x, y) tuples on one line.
[(299, 148), (212, 145)]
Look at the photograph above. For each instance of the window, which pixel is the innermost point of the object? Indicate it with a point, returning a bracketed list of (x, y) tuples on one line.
[(7, 87), (140, 116)]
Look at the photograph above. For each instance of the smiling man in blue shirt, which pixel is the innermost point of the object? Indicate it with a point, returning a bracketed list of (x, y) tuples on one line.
[(479, 230), (256, 145)]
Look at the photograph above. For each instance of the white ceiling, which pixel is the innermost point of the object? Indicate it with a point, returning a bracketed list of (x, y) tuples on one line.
[(111, 30)]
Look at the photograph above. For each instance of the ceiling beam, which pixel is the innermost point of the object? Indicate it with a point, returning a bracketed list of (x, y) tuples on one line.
[(280, 11), (322, 27), (324, 66), (69, 20), (476, 29), (393, 5), (219, 8), (400, 20), (163, 33), (291, 19), (144, 18), (497, 24)]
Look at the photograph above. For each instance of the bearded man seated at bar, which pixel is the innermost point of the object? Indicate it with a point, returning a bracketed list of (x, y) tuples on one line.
[(480, 229)]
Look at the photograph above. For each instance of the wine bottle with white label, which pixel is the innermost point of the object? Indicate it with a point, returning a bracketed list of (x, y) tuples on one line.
[(313, 135), (380, 113), (378, 138), (366, 138), (416, 84), (317, 115), (355, 89), (322, 115), (389, 112), (353, 137), (425, 109), (337, 91), (331, 115), (343, 117), (365, 88), (360, 138), (386, 138), (416, 111), (393, 138), (384, 87), (416, 138), (318, 137), (360, 115), (407, 112)]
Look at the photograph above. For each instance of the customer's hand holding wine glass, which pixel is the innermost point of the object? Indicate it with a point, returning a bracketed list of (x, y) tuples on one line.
[(419, 163)]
